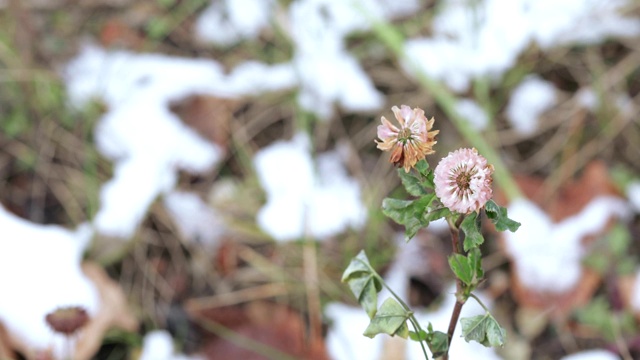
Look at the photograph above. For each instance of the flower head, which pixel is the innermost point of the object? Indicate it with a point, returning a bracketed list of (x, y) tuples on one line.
[(67, 320), (412, 141), (463, 181)]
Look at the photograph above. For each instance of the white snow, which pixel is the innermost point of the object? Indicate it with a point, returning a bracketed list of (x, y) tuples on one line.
[(633, 194), (40, 272), (158, 345), (326, 71), (532, 97), (345, 340), (635, 294), (592, 355), (546, 255), (305, 198), (473, 113), (195, 220), (484, 38), (149, 144), (229, 21), (587, 98)]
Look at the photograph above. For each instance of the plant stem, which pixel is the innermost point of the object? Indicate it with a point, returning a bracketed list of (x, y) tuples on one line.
[(480, 302), (454, 229)]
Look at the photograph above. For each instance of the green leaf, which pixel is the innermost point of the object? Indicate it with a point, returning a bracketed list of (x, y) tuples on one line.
[(412, 183), (472, 236), (483, 329), (619, 239), (438, 343), (418, 336), (460, 266), (423, 167), (498, 216), (409, 213), (437, 214), (364, 283), (430, 183), (360, 263), (403, 330), (390, 319), (467, 268), (396, 209)]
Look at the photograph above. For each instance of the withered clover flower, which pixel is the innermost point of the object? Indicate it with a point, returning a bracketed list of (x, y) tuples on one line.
[(412, 141), (463, 181), (67, 320)]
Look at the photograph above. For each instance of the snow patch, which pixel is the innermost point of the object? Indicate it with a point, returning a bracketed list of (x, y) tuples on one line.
[(528, 102), (547, 255), (494, 32), (40, 272), (158, 345), (230, 21), (473, 113), (302, 201), (149, 144), (592, 355), (195, 220), (633, 194)]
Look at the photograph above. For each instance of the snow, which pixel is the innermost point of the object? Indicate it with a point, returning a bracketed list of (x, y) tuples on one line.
[(635, 294), (195, 220), (229, 21), (306, 198), (149, 144), (326, 71), (345, 340), (493, 33), (40, 272), (587, 98), (473, 113), (546, 255), (158, 345), (633, 194), (529, 100), (592, 355)]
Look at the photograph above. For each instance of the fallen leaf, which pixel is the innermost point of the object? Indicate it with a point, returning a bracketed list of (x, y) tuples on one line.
[(210, 116), (114, 312), (274, 326)]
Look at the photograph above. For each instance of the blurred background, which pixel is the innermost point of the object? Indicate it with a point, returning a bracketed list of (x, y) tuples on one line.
[(198, 174)]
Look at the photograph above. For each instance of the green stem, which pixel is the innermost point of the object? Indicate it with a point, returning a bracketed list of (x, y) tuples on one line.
[(394, 40), (418, 330), (479, 302)]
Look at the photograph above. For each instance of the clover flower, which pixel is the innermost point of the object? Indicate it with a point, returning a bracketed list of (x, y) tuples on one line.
[(463, 181), (412, 141)]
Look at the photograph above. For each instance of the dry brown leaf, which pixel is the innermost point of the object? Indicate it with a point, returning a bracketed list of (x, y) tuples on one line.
[(114, 312), (210, 116), (116, 33), (273, 325)]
